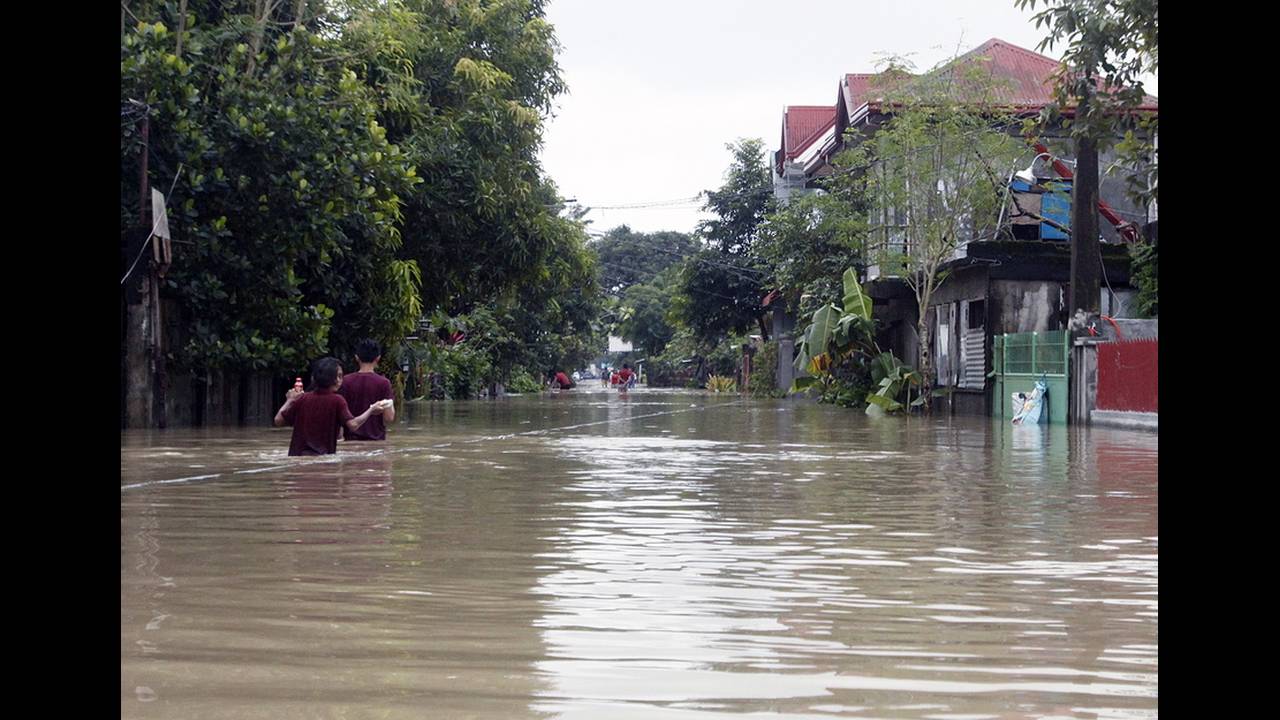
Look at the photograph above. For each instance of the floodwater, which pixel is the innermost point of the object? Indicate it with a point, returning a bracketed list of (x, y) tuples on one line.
[(654, 555)]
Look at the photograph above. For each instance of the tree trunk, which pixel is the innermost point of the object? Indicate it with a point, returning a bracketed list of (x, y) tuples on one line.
[(182, 26), (925, 348), (263, 9)]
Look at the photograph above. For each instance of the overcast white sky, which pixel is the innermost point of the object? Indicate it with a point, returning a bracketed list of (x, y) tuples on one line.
[(657, 87)]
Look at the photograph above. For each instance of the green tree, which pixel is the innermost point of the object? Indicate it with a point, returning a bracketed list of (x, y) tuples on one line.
[(806, 244), (1110, 45), (286, 192), (463, 87), (721, 287), (741, 203), (628, 258), (645, 313), (346, 165)]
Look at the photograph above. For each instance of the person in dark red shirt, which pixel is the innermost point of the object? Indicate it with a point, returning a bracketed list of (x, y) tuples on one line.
[(365, 387), (562, 381), (317, 415), (625, 376)]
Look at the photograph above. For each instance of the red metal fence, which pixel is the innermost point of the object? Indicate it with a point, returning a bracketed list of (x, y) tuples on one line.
[(1128, 375)]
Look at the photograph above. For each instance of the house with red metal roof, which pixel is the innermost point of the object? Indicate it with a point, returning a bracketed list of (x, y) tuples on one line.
[(997, 286), (805, 130)]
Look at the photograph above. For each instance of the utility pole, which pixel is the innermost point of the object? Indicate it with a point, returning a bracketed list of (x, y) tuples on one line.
[(1086, 256), (138, 312)]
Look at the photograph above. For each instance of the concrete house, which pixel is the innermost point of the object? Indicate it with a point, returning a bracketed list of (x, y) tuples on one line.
[(1013, 278)]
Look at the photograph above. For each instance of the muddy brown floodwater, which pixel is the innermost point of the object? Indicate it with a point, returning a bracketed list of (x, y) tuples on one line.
[(655, 555)]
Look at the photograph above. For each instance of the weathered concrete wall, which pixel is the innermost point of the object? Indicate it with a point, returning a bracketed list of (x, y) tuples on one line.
[(790, 183), (965, 402), (190, 401), (1026, 306), (1126, 420), (1130, 329), (1083, 380), (784, 325)]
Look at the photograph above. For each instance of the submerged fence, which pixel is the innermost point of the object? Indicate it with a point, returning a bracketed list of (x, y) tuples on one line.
[(1128, 376), (1020, 360)]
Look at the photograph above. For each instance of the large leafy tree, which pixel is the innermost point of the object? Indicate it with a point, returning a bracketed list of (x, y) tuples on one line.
[(721, 287), (807, 244), (286, 193), (645, 313), (347, 165), (463, 87), (628, 258)]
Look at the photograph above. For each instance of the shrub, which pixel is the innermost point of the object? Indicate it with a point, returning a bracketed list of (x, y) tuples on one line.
[(720, 383)]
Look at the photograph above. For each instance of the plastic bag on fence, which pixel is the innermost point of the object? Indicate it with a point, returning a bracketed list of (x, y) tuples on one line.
[(1028, 407)]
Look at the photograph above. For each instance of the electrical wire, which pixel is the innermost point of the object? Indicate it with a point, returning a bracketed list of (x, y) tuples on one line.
[(155, 225)]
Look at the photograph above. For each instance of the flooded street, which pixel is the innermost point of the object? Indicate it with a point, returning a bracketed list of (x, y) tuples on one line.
[(659, 555)]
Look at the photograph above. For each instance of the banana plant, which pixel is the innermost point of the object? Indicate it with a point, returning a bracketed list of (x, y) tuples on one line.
[(890, 378), (836, 331)]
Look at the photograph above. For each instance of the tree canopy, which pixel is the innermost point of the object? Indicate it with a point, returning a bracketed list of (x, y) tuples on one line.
[(628, 258), (341, 168), (722, 286)]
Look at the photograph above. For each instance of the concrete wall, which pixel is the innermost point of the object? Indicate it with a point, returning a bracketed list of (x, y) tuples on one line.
[(784, 324), (791, 182), (1026, 306), (191, 401)]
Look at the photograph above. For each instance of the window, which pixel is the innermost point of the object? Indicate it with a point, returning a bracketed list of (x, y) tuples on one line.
[(977, 314)]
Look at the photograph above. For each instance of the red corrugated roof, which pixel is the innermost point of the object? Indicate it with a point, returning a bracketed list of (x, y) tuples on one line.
[(1027, 85), (803, 124), (855, 89), (1026, 77)]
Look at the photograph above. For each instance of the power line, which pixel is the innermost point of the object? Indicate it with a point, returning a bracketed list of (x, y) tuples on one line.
[(755, 192), (155, 225), (645, 204)]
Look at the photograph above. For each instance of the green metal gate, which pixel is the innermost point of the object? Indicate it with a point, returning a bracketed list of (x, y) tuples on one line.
[(1020, 359)]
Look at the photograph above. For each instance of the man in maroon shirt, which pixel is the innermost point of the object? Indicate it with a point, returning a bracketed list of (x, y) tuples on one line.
[(364, 388), (317, 415)]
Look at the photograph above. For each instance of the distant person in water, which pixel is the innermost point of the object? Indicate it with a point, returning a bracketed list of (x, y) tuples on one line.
[(625, 377), (561, 381), (317, 415), (363, 388), (604, 376)]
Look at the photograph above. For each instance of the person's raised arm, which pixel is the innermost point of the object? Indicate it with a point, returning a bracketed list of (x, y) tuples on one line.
[(354, 423), (284, 416)]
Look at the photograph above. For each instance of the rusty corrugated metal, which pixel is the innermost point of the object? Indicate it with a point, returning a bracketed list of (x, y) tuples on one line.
[(1128, 376)]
